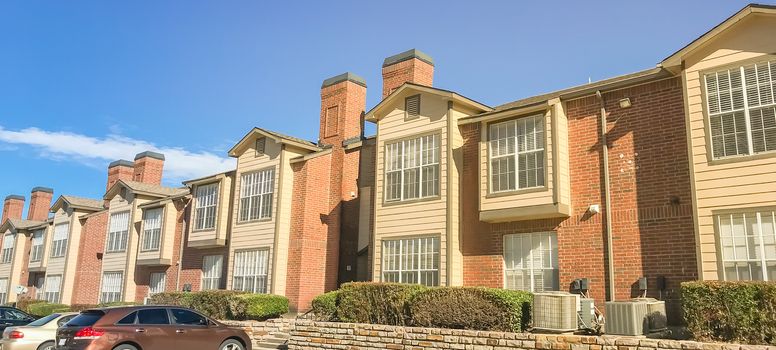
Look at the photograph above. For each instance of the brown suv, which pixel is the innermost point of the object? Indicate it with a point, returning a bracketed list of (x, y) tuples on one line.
[(148, 328)]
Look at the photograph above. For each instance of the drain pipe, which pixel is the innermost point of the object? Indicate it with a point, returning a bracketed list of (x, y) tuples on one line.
[(607, 198), (184, 229)]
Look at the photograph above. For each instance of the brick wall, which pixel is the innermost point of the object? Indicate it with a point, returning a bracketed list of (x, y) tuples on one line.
[(650, 189), (13, 206), (412, 70), (148, 170), (89, 264), (40, 202)]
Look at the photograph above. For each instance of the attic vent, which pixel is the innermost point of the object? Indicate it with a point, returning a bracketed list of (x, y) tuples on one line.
[(412, 107), (261, 144), (332, 121)]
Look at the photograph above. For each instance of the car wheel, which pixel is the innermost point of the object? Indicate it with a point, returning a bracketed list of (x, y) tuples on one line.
[(125, 347), (49, 345), (231, 344)]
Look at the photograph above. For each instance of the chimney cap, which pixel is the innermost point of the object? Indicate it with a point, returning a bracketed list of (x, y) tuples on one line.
[(14, 196), (121, 162), (408, 55), (347, 76), (42, 189), (150, 154)]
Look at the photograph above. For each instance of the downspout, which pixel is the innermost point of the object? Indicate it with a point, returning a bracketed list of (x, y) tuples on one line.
[(182, 245), (607, 198)]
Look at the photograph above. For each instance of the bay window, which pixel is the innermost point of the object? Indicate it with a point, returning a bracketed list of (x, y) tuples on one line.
[(152, 229), (36, 252), (205, 201), (516, 154), (412, 168)]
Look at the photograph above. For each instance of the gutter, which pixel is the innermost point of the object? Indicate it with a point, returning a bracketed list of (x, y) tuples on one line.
[(184, 229), (607, 199)]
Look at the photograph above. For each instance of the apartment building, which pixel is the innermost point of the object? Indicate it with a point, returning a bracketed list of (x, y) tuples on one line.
[(662, 174)]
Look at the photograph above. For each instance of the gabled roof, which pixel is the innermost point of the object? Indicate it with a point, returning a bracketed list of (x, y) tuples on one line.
[(279, 137), (77, 203), (676, 58), (144, 189), (390, 99), (20, 224), (208, 178)]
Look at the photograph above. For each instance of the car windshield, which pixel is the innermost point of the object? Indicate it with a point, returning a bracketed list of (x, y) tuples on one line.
[(85, 319), (41, 321)]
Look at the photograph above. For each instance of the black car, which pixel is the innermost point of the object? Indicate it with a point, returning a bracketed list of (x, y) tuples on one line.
[(11, 316)]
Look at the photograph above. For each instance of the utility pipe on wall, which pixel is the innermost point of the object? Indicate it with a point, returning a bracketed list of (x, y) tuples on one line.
[(607, 198)]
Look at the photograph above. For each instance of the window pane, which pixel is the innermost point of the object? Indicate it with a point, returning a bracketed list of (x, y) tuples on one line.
[(256, 195), (152, 316), (531, 261), (251, 270), (748, 242), (412, 168), (414, 260), (189, 318)]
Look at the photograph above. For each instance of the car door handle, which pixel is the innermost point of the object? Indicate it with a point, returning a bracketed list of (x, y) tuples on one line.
[(140, 330), (179, 331)]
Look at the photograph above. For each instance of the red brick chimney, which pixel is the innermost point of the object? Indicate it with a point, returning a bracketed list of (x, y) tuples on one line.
[(120, 170), (12, 207), (343, 99), (40, 202), (148, 167), (411, 66)]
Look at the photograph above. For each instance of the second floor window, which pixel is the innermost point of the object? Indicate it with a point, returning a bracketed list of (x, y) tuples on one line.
[(36, 252), (7, 252), (256, 195), (516, 154), (412, 169), (59, 241), (205, 200), (152, 229), (742, 109), (118, 232)]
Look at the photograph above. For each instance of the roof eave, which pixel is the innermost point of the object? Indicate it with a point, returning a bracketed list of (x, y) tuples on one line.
[(371, 115), (234, 151)]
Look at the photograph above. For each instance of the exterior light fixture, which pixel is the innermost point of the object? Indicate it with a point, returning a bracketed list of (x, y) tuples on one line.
[(625, 103)]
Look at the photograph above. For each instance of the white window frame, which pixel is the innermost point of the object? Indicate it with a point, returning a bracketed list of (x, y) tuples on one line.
[(766, 88), (52, 291), (760, 250), (157, 282), (205, 206), (515, 262), (256, 195), (416, 155), (9, 242), (38, 241), (425, 264), (118, 235), (153, 221), (212, 268), (59, 240), (111, 286), (251, 270), (510, 144), (3, 290)]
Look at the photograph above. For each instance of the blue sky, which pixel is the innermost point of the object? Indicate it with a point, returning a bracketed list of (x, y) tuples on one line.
[(86, 82)]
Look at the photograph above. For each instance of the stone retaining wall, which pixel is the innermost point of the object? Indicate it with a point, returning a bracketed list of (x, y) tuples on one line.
[(328, 335), (261, 330)]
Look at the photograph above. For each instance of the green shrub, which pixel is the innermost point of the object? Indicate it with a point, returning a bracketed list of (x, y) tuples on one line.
[(325, 306), (45, 309), (487, 309), (730, 311), (118, 303), (259, 306), (24, 303), (379, 303), (218, 304), (171, 298)]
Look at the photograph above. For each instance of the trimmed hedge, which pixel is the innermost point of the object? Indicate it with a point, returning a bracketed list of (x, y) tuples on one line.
[(226, 305), (472, 308), (378, 303), (325, 306), (45, 309), (730, 311), (25, 303), (261, 306)]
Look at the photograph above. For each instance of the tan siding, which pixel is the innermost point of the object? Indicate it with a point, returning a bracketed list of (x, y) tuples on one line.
[(68, 273), (740, 184), (220, 232), (125, 261)]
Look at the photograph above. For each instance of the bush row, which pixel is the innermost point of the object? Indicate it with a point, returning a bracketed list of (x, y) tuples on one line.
[(413, 305), (730, 311), (42, 308), (227, 305)]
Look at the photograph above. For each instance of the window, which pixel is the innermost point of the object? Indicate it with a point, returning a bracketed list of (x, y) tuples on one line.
[(211, 271), (188, 318), (412, 107), (152, 229), (118, 232), (153, 316), (128, 319), (256, 195), (59, 242), (36, 252), (412, 169), (250, 271), (205, 200), (332, 121), (39, 280), (3, 290), (742, 109), (157, 283), (748, 242), (261, 146), (111, 287), (531, 262), (414, 260), (52, 287), (516, 154), (7, 252), (62, 321)]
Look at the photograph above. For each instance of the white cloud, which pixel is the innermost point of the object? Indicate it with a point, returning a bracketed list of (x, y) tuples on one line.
[(180, 164)]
